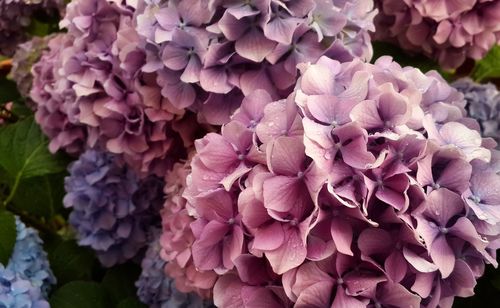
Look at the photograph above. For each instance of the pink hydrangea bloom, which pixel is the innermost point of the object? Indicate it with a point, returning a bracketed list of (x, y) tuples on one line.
[(177, 238), (446, 30), (208, 53), (368, 186), (90, 91)]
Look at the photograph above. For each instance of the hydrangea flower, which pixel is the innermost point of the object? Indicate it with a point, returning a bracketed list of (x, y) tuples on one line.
[(156, 289), (15, 18), (112, 210), (16, 291), (177, 238), (89, 87), (483, 104), (53, 98), (368, 186), (29, 260), (207, 53), (27, 54), (447, 31)]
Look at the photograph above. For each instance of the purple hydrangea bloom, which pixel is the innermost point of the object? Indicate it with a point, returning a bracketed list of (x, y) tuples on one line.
[(15, 18), (89, 87), (483, 104), (203, 50), (112, 210), (445, 30), (29, 260), (16, 291), (156, 289), (27, 54), (368, 186), (53, 97)]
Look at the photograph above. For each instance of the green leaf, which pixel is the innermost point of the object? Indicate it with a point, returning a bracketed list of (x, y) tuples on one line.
[(7, 236), (49, 192), (24, 152), (80, 294), (489, 66), (131, 302), (71, 262), (8, 89), (119, 281)]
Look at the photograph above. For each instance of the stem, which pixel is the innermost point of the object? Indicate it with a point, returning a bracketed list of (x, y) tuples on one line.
[(13, 190)]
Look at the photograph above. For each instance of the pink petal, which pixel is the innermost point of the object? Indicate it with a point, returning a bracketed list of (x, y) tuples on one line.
[(395, 266), (270, 237), (254, 46), (442, 256), (291, 254), (342, 236)]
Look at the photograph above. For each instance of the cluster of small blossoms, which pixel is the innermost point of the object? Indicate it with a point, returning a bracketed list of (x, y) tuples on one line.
[(15, 18), (90, 92), (207, 54), (483, 104), (448, 31), (156, 289), (26, 279), (367, 186), (112, 210), (27, 54)]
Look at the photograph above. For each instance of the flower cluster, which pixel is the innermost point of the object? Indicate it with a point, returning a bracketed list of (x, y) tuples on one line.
[(53, 97), (26, 279), (112, 210), (448, 31), (18, 292), (15, 18), (29, 260), (156, 289), (177, 237), (483, 104), (367, 186), (27, 54), (208, 53), (88, 87)]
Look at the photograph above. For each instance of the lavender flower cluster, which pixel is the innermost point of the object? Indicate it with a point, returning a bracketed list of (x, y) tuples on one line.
[(367, 186), (156, 289), (90, 92), (483, 104), (112, 210), (26, 279), (208, 53), (27, 54), (15, 18), (448, 31)]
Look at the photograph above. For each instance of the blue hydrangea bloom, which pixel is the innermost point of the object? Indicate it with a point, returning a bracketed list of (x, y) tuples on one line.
[(156, 289), (112, 208), (483, 104), (17, 292), (29, 260)]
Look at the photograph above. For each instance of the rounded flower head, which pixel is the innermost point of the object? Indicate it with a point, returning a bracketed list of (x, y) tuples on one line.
[(15, 18), (53, 98), (112, 210), (16, 291), (483, 104), (177, 238), (96, 86), (156, 289), (208, 53), (27, 54), (367, 186), (447, 31), (29, 261)]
